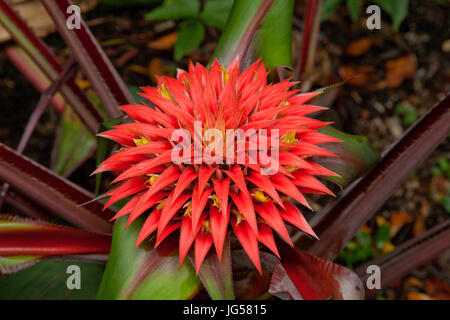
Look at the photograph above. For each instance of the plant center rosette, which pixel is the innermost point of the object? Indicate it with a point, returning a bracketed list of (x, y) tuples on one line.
[(218, 150)]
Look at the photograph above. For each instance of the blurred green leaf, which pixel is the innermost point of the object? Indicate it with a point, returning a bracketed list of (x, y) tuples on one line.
[(442, 1), (354, 7), (189, 38), (358, 251), (445, 203), (355, 156), (444, 165), (74, 145), (142, 273), (175, 9), (364, 239), (382, 236), (408, 113), (47, 280), (328, 7), (216, 12), (397, 10)]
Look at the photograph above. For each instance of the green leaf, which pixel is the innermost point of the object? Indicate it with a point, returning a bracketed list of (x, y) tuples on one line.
[(445, 203), (354, 7), (408, 113), (216, 12), (74, 145), (397, 10), (104, 147), (364, 239), (382, 236), (355, 156), (240, 17), (145, 273), (328, 7), (444, 165), (188, 39), (47, 280), (175, 9), (273, 40)]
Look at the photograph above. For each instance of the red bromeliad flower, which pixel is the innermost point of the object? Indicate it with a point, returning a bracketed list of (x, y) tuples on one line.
[(202, 200)]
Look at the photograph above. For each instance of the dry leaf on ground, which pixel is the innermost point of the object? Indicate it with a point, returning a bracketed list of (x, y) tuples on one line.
[(164, 43), (360, 46), (397, 70)]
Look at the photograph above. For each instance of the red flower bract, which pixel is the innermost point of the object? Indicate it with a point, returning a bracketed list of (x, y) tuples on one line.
[(202, 200)]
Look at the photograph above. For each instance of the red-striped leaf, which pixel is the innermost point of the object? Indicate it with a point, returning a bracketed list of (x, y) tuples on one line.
[(313, 278), (59, 196), (21, 236)]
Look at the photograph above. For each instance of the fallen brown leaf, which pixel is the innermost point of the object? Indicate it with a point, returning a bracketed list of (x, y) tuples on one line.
[(418, 296), (419, 226), (359, 47), (413, 282), (360, 76), (397, 70), (126, 57), (398, 220), (437, 288), (138, 69), (164, 43)]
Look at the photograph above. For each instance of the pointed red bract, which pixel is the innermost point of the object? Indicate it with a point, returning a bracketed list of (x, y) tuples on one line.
[(203, 177), (245, 207), (222, 189), (202, 197), (265, 236), (295, 217), (187, 236), (198, 205), (248, 240), (219, 226), (269, 213), (203, 243)]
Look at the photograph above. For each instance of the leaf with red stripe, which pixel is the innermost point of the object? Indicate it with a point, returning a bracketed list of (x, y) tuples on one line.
[(313, 277), (21, 236)]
